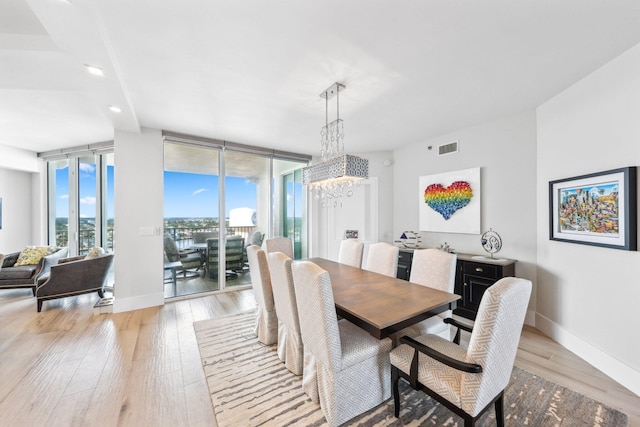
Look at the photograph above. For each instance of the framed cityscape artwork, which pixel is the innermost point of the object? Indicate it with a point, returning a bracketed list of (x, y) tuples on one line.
[(597, 209)]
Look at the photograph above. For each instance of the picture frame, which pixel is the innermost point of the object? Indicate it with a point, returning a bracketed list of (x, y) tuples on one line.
[(450, 202), (598, 209)]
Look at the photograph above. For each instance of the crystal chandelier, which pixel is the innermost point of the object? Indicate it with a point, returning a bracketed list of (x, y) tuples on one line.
[(337, 172)]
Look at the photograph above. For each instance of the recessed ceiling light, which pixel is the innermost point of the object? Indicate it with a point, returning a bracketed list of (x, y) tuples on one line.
[(96, 71), (115, 109)]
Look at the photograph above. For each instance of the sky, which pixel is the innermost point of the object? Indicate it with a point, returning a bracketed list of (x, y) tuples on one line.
[(196, 196), (185, 194)]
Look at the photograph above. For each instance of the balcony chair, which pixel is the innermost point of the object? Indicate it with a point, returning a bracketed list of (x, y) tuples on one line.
[(266, 328), (351, 252), (382, 258), (280, 244), (234, 256), (290, 349), (200, 237), (346, 369), (436, 269), (470, 381), (189, 260)]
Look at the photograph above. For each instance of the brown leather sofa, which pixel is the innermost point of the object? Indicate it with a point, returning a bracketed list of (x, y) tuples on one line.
[(26, 276), (74, 276)]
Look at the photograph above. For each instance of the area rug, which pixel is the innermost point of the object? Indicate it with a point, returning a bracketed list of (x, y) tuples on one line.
[(250, 386)]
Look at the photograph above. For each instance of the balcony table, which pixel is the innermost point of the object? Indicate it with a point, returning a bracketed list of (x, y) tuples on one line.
[(380, 304)]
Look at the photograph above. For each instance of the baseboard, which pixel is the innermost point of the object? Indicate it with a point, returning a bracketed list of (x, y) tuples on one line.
[(617, 370), (530, 318), (135, 303)]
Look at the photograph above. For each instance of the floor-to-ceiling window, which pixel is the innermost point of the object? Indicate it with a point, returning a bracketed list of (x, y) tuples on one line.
[(228, 193), (80, 202), (80, 199), (289, 204)]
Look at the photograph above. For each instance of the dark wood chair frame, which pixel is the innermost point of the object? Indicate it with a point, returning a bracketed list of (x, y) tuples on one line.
[(412, 378)]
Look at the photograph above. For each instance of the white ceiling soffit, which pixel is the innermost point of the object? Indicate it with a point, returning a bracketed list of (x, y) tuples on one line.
[(251, 71)]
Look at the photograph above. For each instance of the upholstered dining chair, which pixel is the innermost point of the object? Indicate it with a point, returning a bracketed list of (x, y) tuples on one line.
[(382, 258), (436, 269), (280, 244), (345, 368), (351, 252), (470, 381), (290, 349), (266, 328)]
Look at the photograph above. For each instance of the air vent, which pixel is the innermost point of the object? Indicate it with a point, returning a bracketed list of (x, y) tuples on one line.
[(449, 148)]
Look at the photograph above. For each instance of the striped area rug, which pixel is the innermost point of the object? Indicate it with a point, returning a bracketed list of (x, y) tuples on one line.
[(249, 386)]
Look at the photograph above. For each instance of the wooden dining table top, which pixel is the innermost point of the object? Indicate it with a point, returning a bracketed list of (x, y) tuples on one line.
[(381, 304)]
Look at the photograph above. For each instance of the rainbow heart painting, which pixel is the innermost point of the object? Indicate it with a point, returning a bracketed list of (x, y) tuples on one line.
[(446, 201), (450, 201)]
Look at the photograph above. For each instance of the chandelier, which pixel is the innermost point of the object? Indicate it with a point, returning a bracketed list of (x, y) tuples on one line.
[(337, 172)]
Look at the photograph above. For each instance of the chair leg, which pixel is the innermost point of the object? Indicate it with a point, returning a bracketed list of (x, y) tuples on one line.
[(39, 305), (100, 293), (395, 379), (500, 411)]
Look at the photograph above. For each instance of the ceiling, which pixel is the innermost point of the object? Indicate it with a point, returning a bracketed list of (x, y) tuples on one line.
[(251, 71)]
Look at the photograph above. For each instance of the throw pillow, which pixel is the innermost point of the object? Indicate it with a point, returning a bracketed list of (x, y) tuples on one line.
[(33, 255), (95, 253)]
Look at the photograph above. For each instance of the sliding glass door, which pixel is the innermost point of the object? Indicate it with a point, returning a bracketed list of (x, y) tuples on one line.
[(191, 219), (219, 199)]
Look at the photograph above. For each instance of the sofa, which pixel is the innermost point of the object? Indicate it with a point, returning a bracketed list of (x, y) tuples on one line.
[(14, 275), (75, 276)]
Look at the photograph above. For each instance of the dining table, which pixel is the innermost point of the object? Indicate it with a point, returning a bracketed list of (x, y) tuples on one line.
[(380, 304)]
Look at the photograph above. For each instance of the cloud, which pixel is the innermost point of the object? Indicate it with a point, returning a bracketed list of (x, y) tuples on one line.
[(87, 167), (63, 196), (88, 200), (198, 191)]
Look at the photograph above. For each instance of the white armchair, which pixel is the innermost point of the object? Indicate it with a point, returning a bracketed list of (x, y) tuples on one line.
[(436, 269), (468, 382)]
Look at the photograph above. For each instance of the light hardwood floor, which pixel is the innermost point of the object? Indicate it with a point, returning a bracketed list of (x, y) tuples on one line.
[(69, 367)]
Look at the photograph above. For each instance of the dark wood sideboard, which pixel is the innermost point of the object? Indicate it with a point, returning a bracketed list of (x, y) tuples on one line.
[(474, 274)]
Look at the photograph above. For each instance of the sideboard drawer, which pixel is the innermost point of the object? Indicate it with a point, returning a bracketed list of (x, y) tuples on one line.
[(479, 269)]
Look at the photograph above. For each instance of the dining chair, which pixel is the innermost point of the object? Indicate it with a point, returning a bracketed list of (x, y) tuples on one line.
[(470, 381), (351, 252), (346, 369), (290, 349), (436, 269), (382, 258), (266, 328), (280, 244)]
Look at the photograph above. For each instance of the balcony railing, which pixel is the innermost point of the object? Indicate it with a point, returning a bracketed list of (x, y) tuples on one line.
[(183, 236)]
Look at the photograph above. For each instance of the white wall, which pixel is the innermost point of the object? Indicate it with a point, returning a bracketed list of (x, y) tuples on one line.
[(17, 159), (505, 150), (586, 294), (139, 189), (17, 208)]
